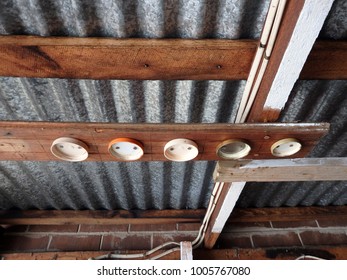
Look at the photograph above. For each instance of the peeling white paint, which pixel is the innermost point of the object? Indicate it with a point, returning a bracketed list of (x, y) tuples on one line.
[(306, 31)]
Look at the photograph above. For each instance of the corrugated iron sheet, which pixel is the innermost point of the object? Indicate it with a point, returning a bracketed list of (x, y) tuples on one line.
[(228, 19), (158, 185)]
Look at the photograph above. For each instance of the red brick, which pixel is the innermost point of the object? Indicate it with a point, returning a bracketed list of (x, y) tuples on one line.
[(75, 242), (126, 242), (287, 239), (53, 228), (338, 222), (324, 238), (294, 224), (154, 227), (188, 227), (159, 239), (23, 243), (236, 226), (227, 241), (104, 228)]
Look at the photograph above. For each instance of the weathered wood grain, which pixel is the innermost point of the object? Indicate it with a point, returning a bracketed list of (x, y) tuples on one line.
[(279, 170), (141, 59)]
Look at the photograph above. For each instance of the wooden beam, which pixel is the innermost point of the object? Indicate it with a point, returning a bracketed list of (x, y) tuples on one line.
[(225, 205), (32, 140), (106, 217), (305, 169), (141, 59), (327, 60), (330, 253), (268, 82), (288, 214), (300, 26), (99, 217)]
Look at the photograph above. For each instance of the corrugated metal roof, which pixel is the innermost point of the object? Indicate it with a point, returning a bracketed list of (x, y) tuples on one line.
[(119, 101), (228, 19), (335, 26), (159, 185)]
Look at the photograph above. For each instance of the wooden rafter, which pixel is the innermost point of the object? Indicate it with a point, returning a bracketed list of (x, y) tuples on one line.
[(100, 58), (99, 217), (114, 217), (300, 25), (225, 205), (141, 59)]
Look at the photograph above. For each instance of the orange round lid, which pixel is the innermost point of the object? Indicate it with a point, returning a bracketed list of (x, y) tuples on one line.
[(126, 149)]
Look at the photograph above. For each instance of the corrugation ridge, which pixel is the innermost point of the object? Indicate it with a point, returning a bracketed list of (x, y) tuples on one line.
[(194, 19), (198, 186), (335, 25)]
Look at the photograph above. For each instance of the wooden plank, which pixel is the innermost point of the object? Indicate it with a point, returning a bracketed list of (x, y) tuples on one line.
[(327, 60), (186, 251), (32, 140), (300, 26), (305, 169), (290, 214), (330, 253), (105, 217), (99, 217), (225, 205), (141, 59), (169, 59)]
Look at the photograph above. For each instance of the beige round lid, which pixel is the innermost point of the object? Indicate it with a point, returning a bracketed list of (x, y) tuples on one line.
[(233, 149), (285, 147), (181, 150), (126, 149), (69, 149)]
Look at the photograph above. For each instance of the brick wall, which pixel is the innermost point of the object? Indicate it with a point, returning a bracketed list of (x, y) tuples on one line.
[(267, 234), (40, 238), (284, 234)]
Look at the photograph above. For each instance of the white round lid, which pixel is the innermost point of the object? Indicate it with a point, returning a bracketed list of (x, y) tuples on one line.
[(69, 149), (233, 149), (126, 149), (285, 147), (181, 150)]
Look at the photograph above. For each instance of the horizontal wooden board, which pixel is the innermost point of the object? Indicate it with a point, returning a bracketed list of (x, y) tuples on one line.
[(32, 140), (99, 217), (278, 170), (143, 59), (327, 60), (109, 217), (150, 59), (288, 214)]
